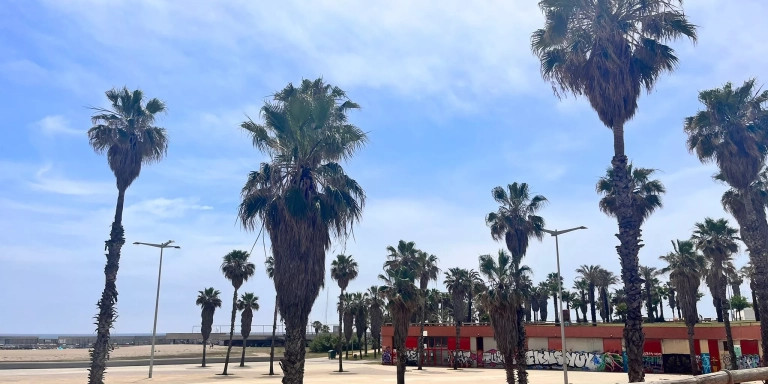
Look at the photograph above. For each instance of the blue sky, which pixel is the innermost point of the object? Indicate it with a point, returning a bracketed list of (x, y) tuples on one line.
[(451, 97)]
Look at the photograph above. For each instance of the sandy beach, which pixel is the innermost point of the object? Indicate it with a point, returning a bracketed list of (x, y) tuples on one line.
[(122, 352)]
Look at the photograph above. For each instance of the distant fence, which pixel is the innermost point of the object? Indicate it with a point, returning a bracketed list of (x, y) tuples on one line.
[(255, 329), (723, 377)]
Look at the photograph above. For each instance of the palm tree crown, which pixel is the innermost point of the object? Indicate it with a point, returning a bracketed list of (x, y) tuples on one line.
[(646, 193), (344, 269), (237, 268), (515, 220), (609, 50), (126, 132), (732, 131)]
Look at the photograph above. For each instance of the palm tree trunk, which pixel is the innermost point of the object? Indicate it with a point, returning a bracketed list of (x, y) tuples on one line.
[(295, 349), (272, 343), (242, 357), (554, 303), (400, 323), (726, 319), (421, 331), (606, 305), (592, 310), (754, 233), (522, 374), (692, 350), (661, 308), (718, 309), (341, 324), (629, 238), (755, 307), (365, 336), (649, 301), (231, 331), (106, 305), (456, 348), (205, 344)]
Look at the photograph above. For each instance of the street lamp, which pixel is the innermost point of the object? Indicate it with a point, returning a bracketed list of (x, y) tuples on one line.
[(162, 246), (557, 233)]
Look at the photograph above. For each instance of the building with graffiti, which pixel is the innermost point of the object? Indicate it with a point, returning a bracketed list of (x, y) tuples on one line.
[(588, 348)]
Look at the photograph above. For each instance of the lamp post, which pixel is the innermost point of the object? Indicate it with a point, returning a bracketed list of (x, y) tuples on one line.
[(557, 233), (162, 246)]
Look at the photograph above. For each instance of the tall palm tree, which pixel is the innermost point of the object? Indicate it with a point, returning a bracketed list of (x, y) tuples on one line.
[(208, 300), (608, 51), (427, 271), (237, 269), (686, 268), (458, 283), (403, 255), (590, 274), (247, 304), (646, 192), (127, 134), (377, 317), (671, 293), (718, 242), (732, 131), (343, 270), (402, 301), (502, 299), (269, 267), (302, 197), (649, 276), (516, 221)]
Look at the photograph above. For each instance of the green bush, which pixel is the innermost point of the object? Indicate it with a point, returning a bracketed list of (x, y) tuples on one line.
[(324, 342)]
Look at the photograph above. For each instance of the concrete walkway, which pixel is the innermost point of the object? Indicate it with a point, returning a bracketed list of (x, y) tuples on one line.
[(317, 371)]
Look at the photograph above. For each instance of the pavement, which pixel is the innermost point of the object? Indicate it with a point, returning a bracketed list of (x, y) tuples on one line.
[(317, 370)]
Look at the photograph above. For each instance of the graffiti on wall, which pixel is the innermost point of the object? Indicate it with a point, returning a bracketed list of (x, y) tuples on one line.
[(653, 362), (743, 361), (465, 359), (386, 356), (579, 360), (493, 358), (704, 363)]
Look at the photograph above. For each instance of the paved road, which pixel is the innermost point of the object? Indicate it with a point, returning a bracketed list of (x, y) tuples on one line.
[(123, 363)]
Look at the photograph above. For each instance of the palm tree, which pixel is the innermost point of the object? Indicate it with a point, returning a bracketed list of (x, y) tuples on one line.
[(343, 270), (237, 269), (502, 299), (426, 270), (317, 325), (649, 276), (403, 255), (269, 267), (377, 318), (552, 285), (361, 321), (208, 300), (126, 133), (686, 268), (671, 293), (732, 132), (717, 241), (608, 51), (749, 272), (346, 306), (301, 197), (739, 303), (248, 303), (402, 300), (590, 274), (516, 221), (582, 285), (544, 289), (459, 284), (605, 279)]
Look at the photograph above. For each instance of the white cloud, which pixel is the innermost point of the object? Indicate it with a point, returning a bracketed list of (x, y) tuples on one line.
[(55, 125), (46, 181), (163, 208)]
